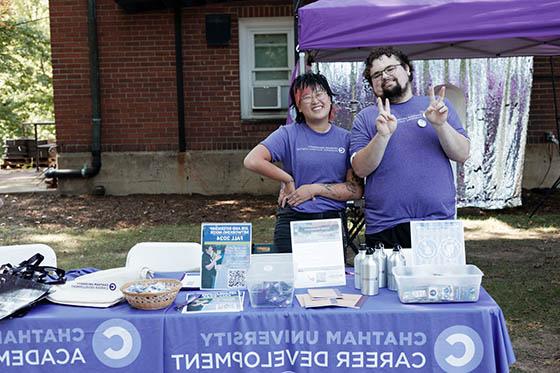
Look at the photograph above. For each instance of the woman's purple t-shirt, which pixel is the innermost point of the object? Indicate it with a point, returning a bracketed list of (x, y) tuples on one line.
[(312, 157)]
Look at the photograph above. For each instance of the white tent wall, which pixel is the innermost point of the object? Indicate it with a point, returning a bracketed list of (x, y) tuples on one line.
[(497, 93)]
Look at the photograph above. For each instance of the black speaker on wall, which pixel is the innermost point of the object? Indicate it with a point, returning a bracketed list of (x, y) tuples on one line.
[(218, 29)]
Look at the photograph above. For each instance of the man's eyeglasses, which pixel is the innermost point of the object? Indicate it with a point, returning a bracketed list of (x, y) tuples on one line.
[(319, 94), (389, 70)]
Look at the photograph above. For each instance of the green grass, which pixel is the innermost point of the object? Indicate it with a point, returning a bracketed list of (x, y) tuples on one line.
[(107, 248), (521, 272), (520, 221)]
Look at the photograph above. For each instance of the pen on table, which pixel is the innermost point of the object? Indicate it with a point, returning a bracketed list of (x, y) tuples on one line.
[(190, 298)]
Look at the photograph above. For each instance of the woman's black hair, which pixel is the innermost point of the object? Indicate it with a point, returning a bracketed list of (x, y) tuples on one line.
[(311, 80)]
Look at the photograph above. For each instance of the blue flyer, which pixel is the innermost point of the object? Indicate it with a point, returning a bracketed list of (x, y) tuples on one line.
[(226, 253)]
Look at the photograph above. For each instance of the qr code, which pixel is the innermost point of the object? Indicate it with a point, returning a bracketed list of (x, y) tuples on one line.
[(236, 278)]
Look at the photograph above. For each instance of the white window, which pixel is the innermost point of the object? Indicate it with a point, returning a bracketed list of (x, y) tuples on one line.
[(266, 60)]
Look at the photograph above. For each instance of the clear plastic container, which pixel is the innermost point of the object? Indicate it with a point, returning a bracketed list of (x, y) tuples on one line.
[(270, 281), (438, 283)]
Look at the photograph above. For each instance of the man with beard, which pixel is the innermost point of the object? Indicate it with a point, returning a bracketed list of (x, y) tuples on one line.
[(402, 146)]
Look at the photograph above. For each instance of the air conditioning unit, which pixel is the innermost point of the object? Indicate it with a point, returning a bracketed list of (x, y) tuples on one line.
[(267, 98)]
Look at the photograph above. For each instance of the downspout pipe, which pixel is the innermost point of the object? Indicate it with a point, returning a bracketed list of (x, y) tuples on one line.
[(89, 171), (179, 76)]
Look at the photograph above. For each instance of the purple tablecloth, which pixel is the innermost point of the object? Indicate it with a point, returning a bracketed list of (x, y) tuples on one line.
[(384, 334)]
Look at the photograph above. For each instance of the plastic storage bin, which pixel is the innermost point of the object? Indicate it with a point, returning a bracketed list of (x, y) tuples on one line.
[(438, 283), (270, 281)]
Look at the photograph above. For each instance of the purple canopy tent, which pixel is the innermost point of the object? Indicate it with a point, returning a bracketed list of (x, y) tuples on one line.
[(334, 30), (346, 31)]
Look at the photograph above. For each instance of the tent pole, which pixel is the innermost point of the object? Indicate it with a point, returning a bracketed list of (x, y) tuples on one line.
[(555, 103), (302, 62)]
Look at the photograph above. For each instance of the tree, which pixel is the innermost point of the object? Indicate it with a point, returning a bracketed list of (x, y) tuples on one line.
[(25, 66)]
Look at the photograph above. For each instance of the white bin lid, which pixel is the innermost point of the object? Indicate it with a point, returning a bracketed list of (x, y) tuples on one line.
[(270, 267)]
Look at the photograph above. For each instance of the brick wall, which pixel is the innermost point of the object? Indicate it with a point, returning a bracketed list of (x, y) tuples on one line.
[(541, 116), (137, 78), (71, 73)]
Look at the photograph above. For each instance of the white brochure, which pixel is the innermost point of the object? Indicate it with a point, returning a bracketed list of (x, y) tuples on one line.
[(318, 253), (437, 242)]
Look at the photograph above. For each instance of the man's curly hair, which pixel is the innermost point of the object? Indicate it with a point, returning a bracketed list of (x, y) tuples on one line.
[(386, 51)]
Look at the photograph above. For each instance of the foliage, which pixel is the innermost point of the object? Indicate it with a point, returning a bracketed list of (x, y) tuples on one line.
[(25, 66)]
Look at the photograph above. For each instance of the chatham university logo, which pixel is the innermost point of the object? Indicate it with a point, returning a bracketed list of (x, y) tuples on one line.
[(458, 349), (116, 343)]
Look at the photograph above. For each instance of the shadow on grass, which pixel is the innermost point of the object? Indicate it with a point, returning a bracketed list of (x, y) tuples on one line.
[(107, 248), (523, 277), (519, 221)]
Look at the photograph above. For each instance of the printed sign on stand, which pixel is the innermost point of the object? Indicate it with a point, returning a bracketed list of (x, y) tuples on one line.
[(437, 242), (226, 253), (318, 253)]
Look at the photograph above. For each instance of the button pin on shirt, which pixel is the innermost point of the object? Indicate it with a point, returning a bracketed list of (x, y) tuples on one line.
[(422, 122)]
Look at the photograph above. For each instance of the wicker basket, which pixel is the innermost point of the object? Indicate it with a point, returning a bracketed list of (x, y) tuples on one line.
[(152, 301)]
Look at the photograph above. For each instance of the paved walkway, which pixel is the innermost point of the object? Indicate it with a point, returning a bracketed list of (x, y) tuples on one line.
[(23, 181)]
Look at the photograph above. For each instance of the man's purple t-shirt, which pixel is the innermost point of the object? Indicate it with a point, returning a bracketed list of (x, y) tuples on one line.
[(414, 180), (312, 157)]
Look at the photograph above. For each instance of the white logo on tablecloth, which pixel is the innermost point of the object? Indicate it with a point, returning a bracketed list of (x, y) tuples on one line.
[(116, 343), (458, 349)]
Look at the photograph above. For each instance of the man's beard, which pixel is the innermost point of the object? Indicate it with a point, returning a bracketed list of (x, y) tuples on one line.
[(395, 92)]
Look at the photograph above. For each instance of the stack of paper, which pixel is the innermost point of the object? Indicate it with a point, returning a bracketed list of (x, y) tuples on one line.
[(329, 297)]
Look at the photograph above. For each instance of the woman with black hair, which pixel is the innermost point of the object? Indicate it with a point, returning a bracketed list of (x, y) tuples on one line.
[(316, 179)]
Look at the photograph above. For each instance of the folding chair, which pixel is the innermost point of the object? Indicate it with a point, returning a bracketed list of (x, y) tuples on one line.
[(165, 256), (15, 254)]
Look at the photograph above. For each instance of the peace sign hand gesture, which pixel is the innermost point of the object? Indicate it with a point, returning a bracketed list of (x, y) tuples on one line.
[(386, 123), (437, 112)]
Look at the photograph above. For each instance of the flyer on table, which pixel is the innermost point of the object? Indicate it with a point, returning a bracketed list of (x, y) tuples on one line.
[(318, 253), (226, 253), (216, 301)]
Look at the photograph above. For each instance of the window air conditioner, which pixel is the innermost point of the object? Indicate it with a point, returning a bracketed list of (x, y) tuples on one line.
[(267, 98)]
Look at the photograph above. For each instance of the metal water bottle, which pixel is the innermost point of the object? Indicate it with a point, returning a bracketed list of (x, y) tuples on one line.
[(370, 274), (358, 259), (396, 259), (381, 258)]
